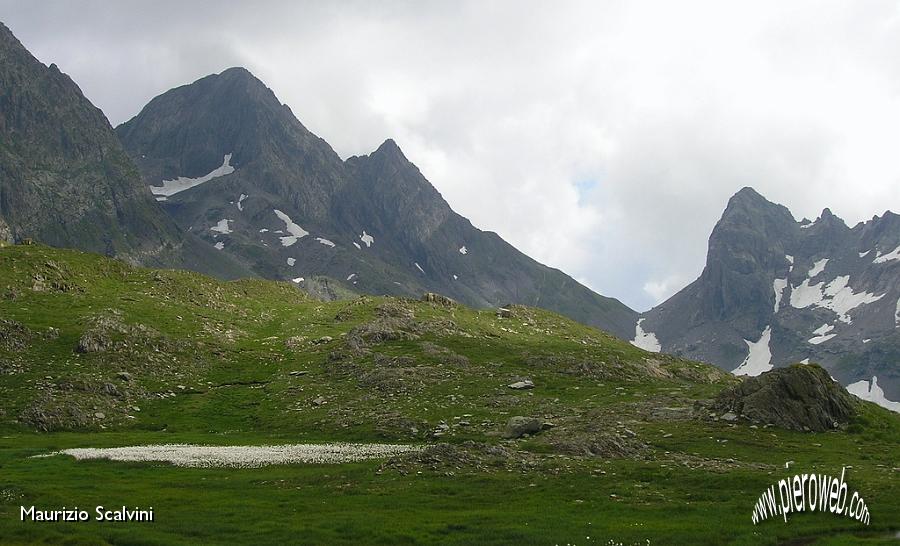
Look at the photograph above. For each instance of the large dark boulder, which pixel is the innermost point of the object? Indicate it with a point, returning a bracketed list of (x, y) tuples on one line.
[(799, 397)]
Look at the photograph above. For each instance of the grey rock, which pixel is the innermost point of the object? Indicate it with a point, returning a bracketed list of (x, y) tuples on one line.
[(519, 426), (525, 384), (799, 397)]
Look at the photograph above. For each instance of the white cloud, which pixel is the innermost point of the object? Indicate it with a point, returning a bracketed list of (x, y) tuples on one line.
[(600, 138)]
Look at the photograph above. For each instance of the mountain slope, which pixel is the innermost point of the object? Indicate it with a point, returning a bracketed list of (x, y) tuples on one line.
[(65, 179), (776, 291), (110, 356), (234, 166)]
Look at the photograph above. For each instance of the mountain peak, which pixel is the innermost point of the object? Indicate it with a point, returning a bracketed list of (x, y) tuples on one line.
[(748, 193), (389, 148), (747, 206), (237, 71)]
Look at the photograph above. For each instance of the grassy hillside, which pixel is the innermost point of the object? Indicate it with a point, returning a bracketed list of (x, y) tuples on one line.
[(94, 353)]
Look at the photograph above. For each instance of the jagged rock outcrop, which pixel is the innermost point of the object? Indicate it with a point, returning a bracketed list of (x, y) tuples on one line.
[(776, 291), (799, 397)]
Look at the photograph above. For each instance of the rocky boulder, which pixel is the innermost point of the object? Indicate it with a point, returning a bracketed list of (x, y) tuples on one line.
[(799, 397), (520, 426)]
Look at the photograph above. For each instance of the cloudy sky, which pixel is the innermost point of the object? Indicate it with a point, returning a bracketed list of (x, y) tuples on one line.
[(601, 137)]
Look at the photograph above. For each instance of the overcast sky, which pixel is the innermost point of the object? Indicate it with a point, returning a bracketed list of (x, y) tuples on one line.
[(602, 138)]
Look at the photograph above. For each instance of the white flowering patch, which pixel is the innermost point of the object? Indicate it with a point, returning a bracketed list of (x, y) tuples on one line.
[(196, 456), (222, 227), (884, 258), (759, 357), (645, 340), (366, 238), (295, 231), (171, 187), (325, 242)]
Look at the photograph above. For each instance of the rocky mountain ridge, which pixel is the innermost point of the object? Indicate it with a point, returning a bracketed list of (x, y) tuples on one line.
[(776, 291), (235, 167), (66, 180)]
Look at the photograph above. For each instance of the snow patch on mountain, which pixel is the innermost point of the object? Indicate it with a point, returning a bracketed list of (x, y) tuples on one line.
[(325, 242), (240, 202), (222, 227), (790, 260), (463, 250), (350, 276), (357, 245), (219, 246), (873, 393), (837, 296), (297, 280), (291, 261), (645, 340), (455, 277), (822, 334), (367, 239), (759, 357), (818, 267), (171, 187), (419, 267), (296, 232), (779, 285), (897, 315), (864, 254), (884, 258)]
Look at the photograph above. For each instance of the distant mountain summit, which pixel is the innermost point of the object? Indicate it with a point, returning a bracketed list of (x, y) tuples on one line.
[(65, 179), (235, 167), (776, 291)]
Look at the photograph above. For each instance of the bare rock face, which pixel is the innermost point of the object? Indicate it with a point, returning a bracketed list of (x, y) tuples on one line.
[(374, 222), (801, 397), (66, 180), (6, 236), (814, 291)]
